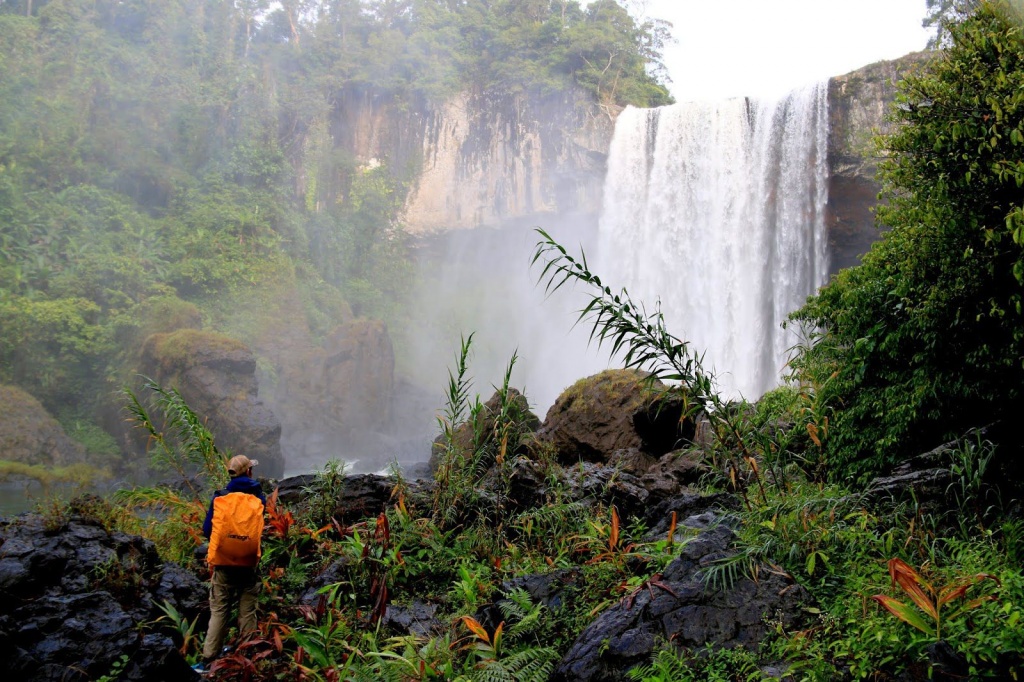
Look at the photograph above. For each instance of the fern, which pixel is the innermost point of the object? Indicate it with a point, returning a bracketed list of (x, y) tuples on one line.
[(518, 608), (666, 666), (532, 664)]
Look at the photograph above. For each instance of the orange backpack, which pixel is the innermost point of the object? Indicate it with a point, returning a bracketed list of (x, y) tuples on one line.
[(237, 526)]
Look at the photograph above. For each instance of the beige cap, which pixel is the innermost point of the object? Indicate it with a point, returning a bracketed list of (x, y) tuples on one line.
[(240, 464)]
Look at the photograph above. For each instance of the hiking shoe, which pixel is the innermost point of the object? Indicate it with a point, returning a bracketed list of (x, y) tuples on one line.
[(201, 668)]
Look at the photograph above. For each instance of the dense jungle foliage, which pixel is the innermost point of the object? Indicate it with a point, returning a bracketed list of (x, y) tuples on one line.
[(918, 345), (925, 339), (155, 152)]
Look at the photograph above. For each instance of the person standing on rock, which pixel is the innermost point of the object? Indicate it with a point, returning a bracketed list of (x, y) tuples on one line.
[(234, 524)]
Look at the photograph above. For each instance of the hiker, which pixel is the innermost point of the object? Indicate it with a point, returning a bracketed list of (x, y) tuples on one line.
[(233, 525)]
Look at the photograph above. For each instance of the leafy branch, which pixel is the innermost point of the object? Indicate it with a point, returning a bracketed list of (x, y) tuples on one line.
[(191, 447), (647, 345)]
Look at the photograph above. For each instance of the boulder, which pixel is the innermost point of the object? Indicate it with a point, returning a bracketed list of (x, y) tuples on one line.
[(467, 437), (74, 597), (682, 608), (419, 619), (612, 411), (674, 472), (216, 376), (30, 435), (334, 398)]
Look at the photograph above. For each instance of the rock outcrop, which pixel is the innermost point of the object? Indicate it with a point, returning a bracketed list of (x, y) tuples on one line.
[(484, 158), (74, 598), (216, 376), (488, 159), (858, 103), (30, 435), (334, 397), (682, 607)]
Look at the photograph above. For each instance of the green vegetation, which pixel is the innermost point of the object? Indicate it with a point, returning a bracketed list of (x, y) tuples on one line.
[(407, 553), (185, 163), (925, 339), (919, 345)]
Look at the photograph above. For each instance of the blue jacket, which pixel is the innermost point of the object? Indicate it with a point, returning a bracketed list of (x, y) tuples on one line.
[(239, 484)]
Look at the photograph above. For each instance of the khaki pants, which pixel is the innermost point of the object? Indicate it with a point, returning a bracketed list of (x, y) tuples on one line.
[(229, 584)]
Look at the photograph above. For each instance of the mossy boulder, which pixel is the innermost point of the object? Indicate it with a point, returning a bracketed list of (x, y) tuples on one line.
[(30, 435), (216, 375), (613, 411)]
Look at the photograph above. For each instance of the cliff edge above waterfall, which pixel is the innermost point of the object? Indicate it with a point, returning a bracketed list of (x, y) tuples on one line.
[(858, 102)]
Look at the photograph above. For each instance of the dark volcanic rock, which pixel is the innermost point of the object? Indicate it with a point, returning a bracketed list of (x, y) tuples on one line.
[(73, 596), (939, 480), (674, 472), (360, 495), (419, 618), (530, 486), (551, 590), (682, 608)]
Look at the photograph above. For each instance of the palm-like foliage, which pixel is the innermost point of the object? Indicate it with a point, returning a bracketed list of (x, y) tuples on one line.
[(184, 446), (647, 345), (190, 449)]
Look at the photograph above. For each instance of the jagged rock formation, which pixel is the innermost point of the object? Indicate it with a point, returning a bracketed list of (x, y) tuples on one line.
[(488, 159), (683, 608), (28, 434), (857, 104), (216, 376), (75, 597)]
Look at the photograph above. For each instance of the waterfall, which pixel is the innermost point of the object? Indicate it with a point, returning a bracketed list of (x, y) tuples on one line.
[(717, 211)]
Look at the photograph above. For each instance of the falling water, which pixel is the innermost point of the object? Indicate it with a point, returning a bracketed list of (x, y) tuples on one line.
[(717, 210)]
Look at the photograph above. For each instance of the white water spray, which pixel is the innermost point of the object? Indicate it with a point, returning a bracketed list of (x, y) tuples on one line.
[(717, 210)]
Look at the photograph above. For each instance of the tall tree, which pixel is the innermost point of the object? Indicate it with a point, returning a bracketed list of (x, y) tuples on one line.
[(941, 14)]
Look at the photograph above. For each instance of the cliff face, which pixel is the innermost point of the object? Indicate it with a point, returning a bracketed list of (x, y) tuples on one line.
[(857, 105), (483, 160), (487, 160), (490, 159)]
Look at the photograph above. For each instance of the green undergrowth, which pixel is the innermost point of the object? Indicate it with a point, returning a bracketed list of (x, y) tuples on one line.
[(826, 537)]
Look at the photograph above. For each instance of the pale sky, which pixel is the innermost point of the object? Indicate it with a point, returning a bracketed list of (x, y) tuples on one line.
[(733, 48)]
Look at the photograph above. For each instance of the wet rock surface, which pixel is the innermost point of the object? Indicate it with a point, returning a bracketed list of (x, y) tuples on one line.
[(612, 411), (683, 608), (75, 597)]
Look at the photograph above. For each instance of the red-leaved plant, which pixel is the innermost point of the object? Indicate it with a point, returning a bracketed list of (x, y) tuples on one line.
[(929, 599)]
